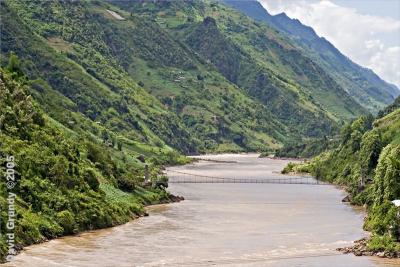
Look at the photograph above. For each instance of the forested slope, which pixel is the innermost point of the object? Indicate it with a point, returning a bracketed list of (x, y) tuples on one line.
[(367, 161), (99, 75), (262, 62), (147, 78), (64, 182)]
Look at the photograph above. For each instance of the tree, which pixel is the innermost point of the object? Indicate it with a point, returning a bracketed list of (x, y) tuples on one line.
[(371, 146), (14, 65), (119, 144), (105, 135), (387, 175)]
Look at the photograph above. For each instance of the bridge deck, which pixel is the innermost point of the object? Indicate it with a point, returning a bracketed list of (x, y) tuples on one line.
[(184, 177)]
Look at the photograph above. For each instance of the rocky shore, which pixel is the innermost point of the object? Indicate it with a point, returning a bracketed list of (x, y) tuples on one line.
[(173, 198), (360, 249)]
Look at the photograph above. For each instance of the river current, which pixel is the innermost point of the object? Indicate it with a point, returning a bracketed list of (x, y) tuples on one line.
[(239, 224)]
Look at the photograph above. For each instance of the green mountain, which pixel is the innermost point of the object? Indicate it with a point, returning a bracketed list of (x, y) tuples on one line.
[(256, 58), (108, 72), (285, 99), (362, 84), (137, 70)]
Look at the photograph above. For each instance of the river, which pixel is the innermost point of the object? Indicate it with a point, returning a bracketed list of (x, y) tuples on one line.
[(223, 225)]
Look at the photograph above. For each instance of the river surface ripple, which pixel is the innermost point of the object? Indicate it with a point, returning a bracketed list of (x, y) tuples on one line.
[(223, 225)]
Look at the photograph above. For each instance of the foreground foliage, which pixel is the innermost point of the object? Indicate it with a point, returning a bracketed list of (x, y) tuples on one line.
[(64, 183)]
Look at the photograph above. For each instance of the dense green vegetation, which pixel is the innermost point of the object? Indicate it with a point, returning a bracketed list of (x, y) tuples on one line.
[(306, 148), (314, 147), (391, 108), (65, 183), (78, 85), (86, 96), (147, 78), (259, 60), (367, 162), (86, 82)]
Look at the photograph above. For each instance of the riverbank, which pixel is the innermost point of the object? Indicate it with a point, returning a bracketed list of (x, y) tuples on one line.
[(141, 199), (210, 159), (290, 225), (360, 248), (377, 245), (271, 156)]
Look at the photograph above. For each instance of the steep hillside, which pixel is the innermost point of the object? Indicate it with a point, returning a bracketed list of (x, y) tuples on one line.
[(93, 68), (150, 74), (62, 182), (362, 84), (392, 107), (257, 59), (292, 104), (89, 92)]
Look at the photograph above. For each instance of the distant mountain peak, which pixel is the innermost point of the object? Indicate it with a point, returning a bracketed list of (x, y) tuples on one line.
[(252, 7), (367, 88), (282, 14), (293, 26)]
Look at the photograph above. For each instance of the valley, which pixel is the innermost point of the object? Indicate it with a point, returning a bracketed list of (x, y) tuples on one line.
[(99, 97)]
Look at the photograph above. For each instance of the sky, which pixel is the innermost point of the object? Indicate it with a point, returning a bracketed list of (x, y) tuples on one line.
[(367, 31)]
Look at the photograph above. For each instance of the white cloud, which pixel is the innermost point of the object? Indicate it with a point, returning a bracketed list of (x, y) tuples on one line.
[(376, 44), (371, 41)]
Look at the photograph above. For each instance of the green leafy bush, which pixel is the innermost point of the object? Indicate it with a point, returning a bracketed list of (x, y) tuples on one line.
[(90, 176), (59, 176), (383, 243), (67, 221)]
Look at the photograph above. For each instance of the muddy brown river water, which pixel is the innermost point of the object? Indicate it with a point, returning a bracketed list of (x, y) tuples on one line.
[(223, 225)]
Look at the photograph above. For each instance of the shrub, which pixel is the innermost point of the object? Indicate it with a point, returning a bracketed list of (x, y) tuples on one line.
[(126, 182), (90, 177), (383, 243), (387, 174), (382, 218), (289, 168), (67, 221), (369, 153)]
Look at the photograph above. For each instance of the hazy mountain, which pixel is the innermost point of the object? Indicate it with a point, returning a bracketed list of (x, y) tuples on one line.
[(362, 84)]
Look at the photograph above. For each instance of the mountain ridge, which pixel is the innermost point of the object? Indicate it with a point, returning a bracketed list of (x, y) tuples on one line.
[(157, 76), (363, 84)]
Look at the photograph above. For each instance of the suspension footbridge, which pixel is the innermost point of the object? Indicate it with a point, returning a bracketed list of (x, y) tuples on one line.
[(175, 176)]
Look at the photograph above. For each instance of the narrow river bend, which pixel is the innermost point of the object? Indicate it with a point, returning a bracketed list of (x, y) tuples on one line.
[(223, 225)]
